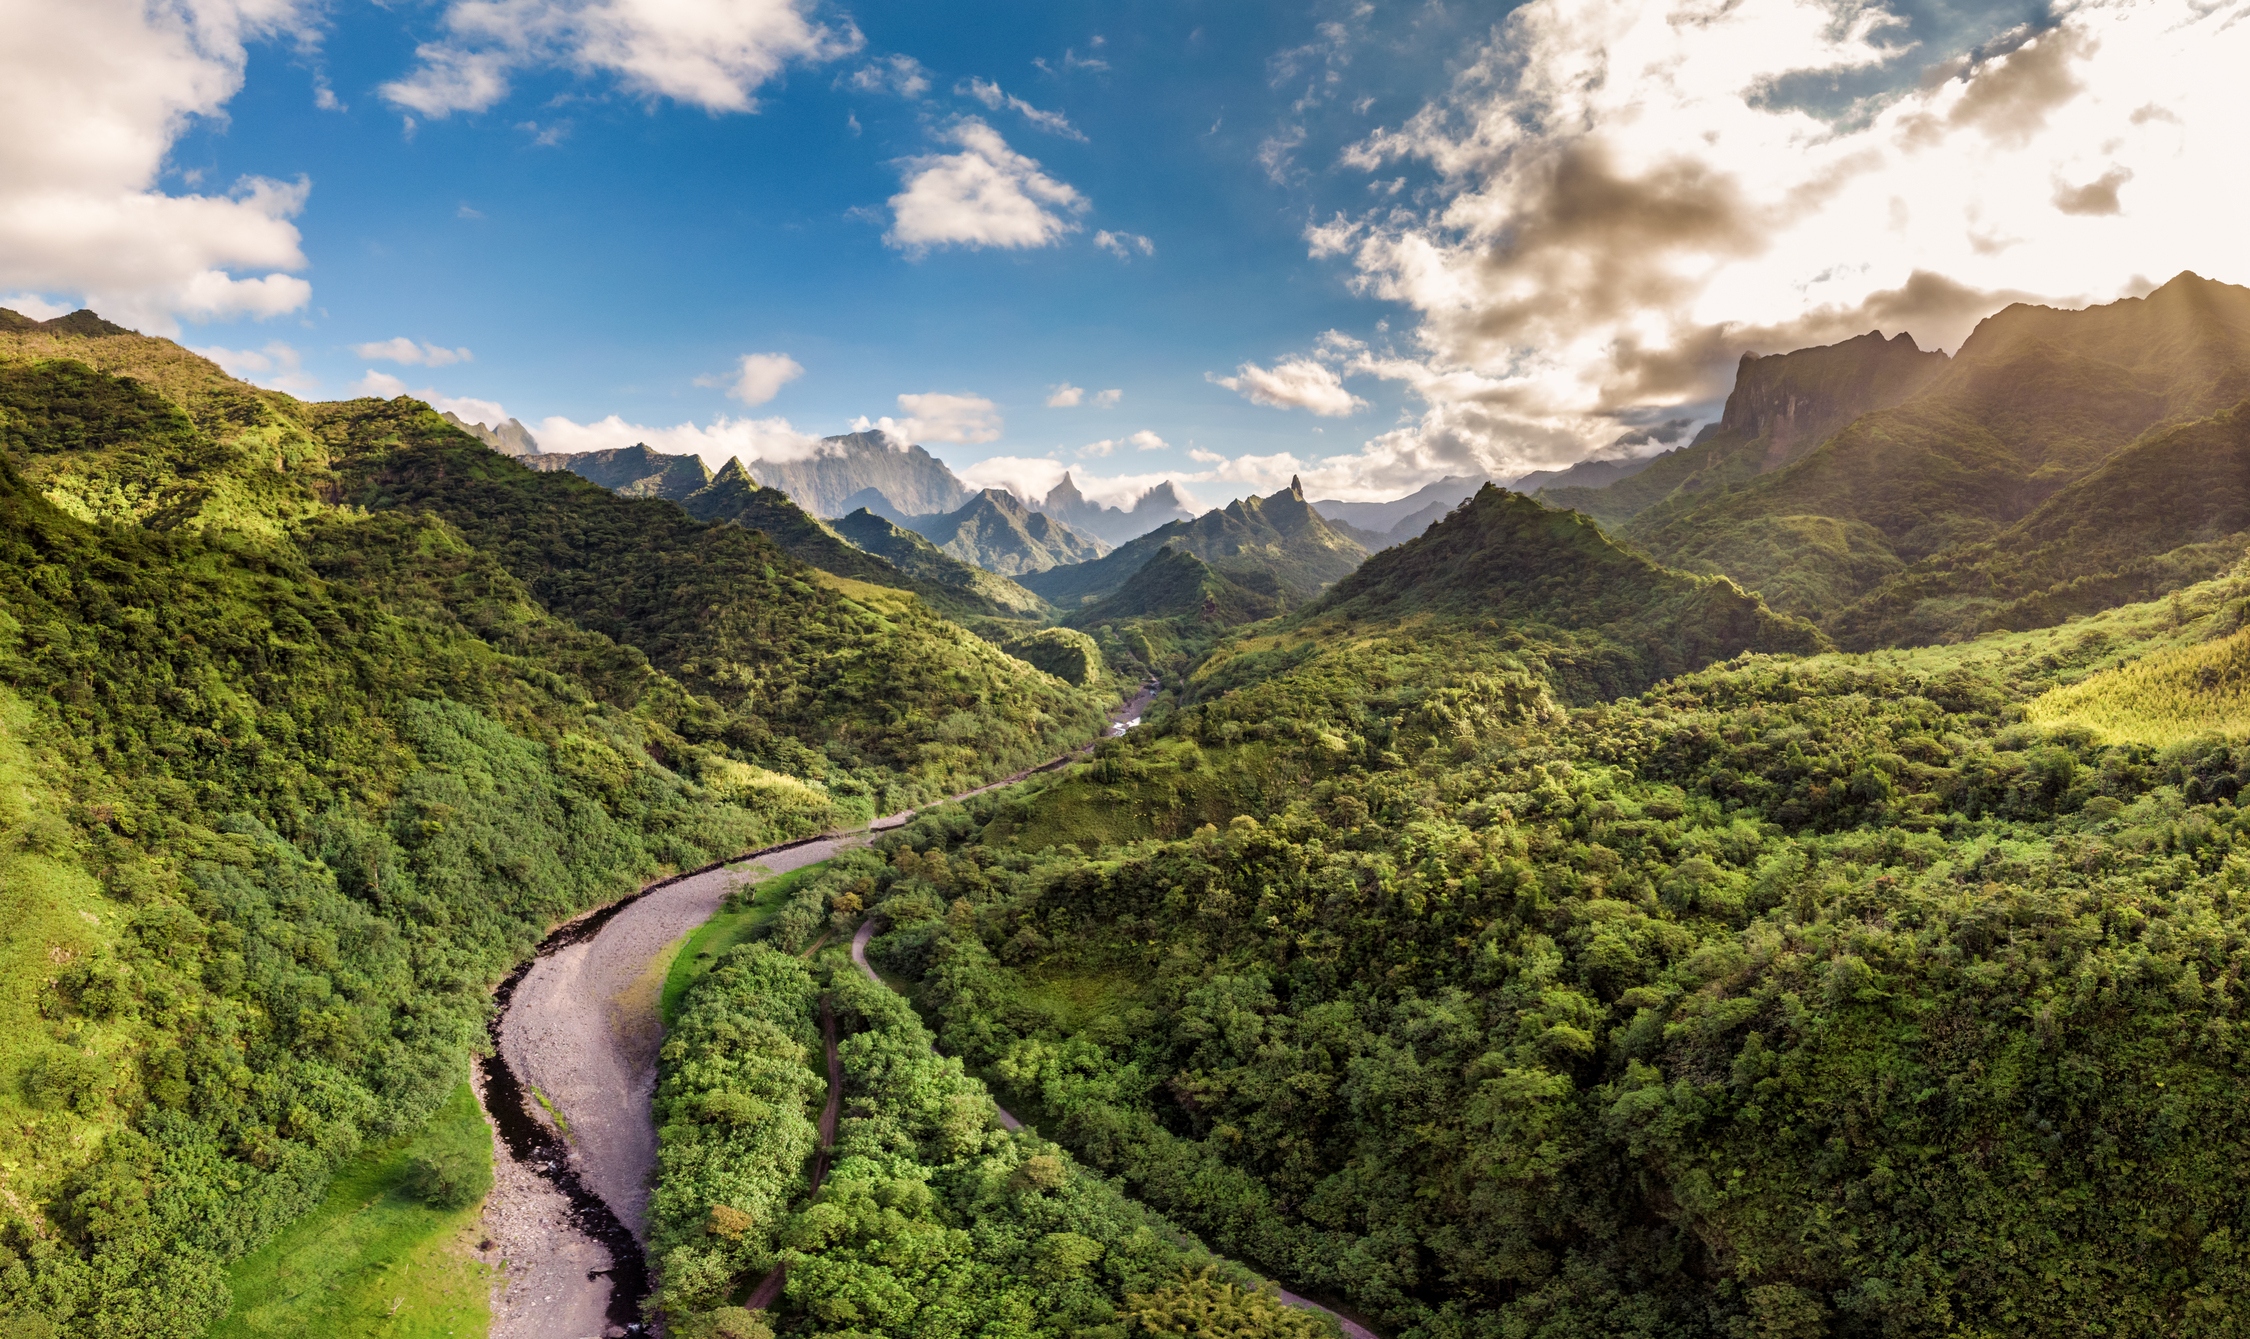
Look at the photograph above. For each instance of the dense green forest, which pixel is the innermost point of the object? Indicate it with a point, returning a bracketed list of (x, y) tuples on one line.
[(313, 718), (1814, 907)]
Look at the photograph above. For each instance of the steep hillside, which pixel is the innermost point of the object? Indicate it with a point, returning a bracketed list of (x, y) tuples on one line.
[(1504, 557), (918, 557), (825, 481), (2035, 399), (634, 471), (2170, 510), (1782, 406), (1280, 536), (312, 719), (1160, 505), (998, 533)]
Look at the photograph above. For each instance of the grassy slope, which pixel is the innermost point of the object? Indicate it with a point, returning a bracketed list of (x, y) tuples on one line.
[(2170, 510), (374, 1260), (745, 914)]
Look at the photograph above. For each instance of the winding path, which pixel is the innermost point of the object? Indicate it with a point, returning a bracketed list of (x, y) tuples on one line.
[(1352, 1328), (576, 1046)]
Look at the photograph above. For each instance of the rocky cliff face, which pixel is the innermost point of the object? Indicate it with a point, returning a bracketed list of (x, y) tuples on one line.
[(826, 482), (1782, 406), (998, 533), (1160, 505), (1791, 402), (511, 438)]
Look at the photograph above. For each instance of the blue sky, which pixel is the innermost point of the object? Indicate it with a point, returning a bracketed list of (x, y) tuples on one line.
[(1530, 234)]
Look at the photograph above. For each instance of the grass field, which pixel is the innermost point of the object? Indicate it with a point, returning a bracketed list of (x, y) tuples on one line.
[(2161, 699), (373, 1259), (723, 932)]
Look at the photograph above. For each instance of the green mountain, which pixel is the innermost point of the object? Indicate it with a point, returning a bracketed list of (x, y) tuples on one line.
[(1782, 406), (313, 718), (2035, 399), (918, 557), (634, 471), (2166, 512), (998, 533), (1175, 584), (1280, 536)]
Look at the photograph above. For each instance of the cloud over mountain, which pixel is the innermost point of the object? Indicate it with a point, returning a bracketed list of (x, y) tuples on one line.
[(1623, 198)]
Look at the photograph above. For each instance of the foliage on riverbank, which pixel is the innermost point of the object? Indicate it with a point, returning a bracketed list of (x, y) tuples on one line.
[(1814, 996), (313, 718)]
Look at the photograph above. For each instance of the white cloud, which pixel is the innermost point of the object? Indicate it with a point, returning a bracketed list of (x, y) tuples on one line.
[(98, 91), (277, 365), (382, 385), (1295, 383), (988, 93), (711, 54), (1123, 244), (985, 195), (758, 378), (1096, 450), (1144, 440), (937, 417), (903, 76), (36, 307), (726, 439), (1065, 396), (1108, 399), (404, 350), (1624, 203)]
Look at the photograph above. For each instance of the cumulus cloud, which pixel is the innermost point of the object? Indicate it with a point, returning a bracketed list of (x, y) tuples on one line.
[(99, 91), (1096, 450), (1123, 244), (384, 386), (724, 440), (1621, 204), (404, 350), (985, 195), (1108, 399), (277, 365), (989, 93), (900, 75), (758, 377), (938, 417), (705, 53), (1144, 440), (1295, 383), (1065, 396)]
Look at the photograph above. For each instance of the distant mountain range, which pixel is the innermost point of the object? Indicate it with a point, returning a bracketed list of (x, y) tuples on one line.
[(1160, 505), (833, 479), (998, 533), (1280, 536)]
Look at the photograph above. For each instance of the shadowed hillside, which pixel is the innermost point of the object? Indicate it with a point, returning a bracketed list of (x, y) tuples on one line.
[(998, 533), (1782, 406), (2035, 399)]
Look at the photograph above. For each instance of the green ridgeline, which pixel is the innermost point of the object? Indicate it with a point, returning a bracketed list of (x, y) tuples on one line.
[(313, 719)]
